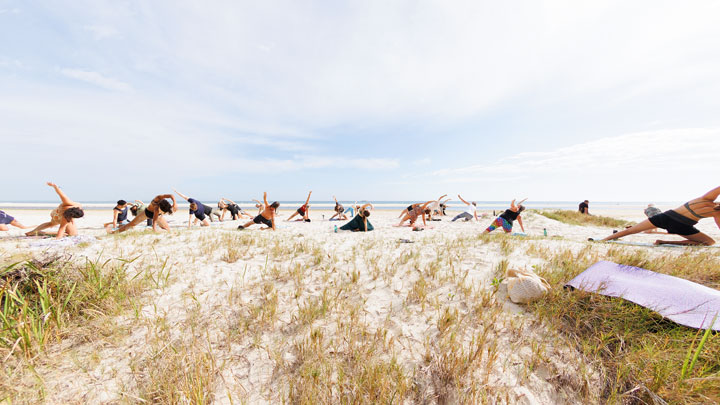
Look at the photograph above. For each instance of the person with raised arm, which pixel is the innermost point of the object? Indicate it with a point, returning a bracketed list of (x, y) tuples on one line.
[(415, 211), (507, 218), (360, 222), (681, 221), (64, 216), (303, 211), (267, 216), (469, 213), (227, 205), (339, 211), (200, 211), (158, 207), (6, 219)]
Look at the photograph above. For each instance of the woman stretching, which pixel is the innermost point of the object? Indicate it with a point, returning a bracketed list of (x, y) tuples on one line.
[(231, 206), (360, 222), (267, 216), (120, 213), (64, 215), (506, 219), (303, 211), (681, 221), (154, 211), (339, 211), (6, 220), (413, 212)]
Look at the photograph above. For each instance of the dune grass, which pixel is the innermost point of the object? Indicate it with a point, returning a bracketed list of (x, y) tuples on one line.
[(641, 355), (576, 218)]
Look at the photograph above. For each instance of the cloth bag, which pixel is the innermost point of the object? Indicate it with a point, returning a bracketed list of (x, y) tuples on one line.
[(524, 286)]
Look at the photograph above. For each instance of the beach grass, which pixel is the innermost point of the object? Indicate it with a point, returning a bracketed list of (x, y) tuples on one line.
[(643, 358), (576, 218)]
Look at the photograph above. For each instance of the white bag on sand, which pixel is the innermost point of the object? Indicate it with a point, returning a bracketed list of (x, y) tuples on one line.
[(524, 286)]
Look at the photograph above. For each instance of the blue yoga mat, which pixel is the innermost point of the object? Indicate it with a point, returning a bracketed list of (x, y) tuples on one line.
[(677, 299)]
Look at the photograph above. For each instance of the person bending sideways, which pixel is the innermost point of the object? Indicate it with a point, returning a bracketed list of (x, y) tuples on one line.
[(415, 211), (200, 211), (64, 216), (158, 207), (469, 213), (267, 216), (507, 218), (226, 205), (681, 221), (303, 211), (6, 220), (339, 211), (360, 223)]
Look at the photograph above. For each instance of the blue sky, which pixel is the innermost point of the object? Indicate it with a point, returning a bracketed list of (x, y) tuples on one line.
[(367, 100)]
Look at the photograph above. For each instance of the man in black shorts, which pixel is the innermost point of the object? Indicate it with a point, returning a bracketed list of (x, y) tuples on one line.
[(267, 216)]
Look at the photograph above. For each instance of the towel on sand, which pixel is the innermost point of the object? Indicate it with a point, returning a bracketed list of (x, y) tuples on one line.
[(677, 299)]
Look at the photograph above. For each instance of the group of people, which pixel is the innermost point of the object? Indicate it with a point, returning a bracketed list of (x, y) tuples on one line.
[(679, 221)]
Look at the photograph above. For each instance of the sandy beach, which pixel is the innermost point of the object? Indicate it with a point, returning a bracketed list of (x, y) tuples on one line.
[(257, 316)]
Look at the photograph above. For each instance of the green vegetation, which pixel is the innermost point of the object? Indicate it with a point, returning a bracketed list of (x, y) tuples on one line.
[(576, 218), (642, 356)]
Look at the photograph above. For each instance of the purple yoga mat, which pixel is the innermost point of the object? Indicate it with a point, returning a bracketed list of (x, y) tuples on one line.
[(674, 298)]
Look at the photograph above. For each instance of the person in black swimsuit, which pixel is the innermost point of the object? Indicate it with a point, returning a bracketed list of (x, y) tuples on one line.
[(506, 219), (231, 206), (584, 207), (681, 221), (155, 211)]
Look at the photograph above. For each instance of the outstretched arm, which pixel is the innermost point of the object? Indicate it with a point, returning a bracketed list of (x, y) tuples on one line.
[(466, 203), (712, 195), (265, 198), (512, 205), (64, 198), (365, 205), (184, 197), (335, 200), (229, 200), (441, 197), (521, 223), (308, 199)]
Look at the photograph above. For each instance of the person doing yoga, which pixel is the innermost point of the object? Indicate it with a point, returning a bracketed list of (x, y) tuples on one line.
[(303, 211), (339, 211), (681, 221), (64, 216), (139, 206), (469, 213), (231, 206), (267, 216), (158, 207), (360, 223), (202, 212), (506, 219), (6, 220), (120, 213), (415, 211)]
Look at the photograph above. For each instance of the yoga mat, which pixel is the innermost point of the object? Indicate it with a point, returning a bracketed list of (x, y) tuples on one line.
[(622, 242), (677, 299)]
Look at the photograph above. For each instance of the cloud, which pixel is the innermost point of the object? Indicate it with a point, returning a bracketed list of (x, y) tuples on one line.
[(96, 79)]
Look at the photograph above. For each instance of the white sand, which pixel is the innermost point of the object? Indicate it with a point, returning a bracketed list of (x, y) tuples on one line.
[(206, 291)]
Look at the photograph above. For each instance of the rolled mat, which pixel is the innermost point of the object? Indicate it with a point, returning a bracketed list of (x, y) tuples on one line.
[(681, 301)]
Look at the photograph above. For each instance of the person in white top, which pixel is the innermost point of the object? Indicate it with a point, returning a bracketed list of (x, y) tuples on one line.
[(469, 213)]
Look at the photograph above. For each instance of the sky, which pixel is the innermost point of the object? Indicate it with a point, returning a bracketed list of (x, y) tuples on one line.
[(365, 100)]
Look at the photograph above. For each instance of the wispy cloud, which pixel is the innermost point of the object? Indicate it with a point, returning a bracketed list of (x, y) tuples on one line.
[(96, 79)]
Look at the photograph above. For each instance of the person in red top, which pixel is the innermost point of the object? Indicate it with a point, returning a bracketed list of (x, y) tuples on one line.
[(303, 211)]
